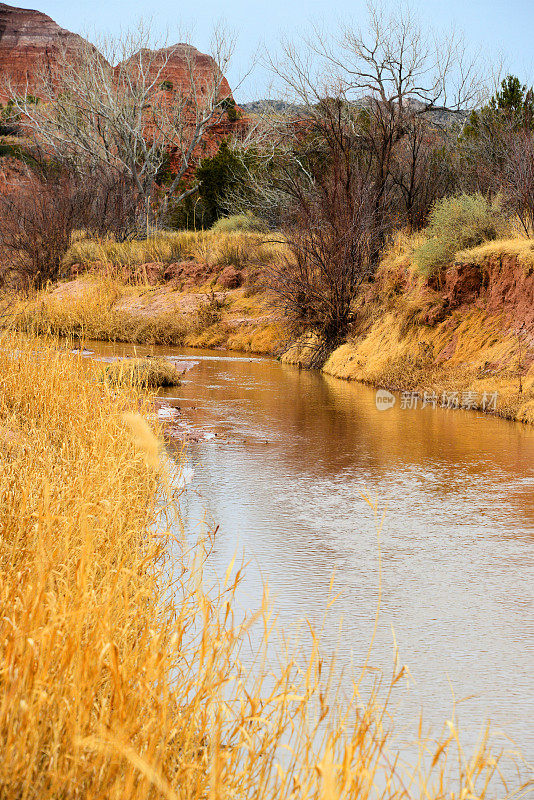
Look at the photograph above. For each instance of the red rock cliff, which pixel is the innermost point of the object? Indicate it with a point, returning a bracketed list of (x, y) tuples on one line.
[(29, 42), (180, 63)]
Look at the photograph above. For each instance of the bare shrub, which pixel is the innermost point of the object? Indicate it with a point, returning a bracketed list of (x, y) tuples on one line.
[(40, 213), (422, 171), (37, 220), (333, 240), (209, 311), (360, 154), (517, 177)]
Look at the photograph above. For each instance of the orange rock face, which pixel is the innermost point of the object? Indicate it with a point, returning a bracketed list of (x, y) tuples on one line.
[(29, 42), (181, 67)]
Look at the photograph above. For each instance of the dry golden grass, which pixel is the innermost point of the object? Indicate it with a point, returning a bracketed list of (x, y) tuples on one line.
[(468, 351), (215, 248), (105, 309), (94, 313), (120, 674), (163, 247), (115, 302), (398, 253), (518, 247), (142, 372)]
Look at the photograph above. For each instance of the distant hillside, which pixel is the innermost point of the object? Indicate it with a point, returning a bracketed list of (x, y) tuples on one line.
[(272, 107), (437, 116)]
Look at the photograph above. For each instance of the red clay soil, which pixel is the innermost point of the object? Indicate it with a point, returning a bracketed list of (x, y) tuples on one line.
[(501, 285)]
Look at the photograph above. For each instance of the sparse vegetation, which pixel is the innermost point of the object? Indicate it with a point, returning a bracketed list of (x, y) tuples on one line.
[(43, 212), (112, 309), (458, 223)]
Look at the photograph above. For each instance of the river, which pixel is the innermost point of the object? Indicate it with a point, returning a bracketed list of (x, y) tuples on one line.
[(282, 459)]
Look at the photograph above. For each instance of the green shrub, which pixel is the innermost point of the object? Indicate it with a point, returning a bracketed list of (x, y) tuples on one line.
[(218, 177), (457, 223), (230, 107), (238, 222)]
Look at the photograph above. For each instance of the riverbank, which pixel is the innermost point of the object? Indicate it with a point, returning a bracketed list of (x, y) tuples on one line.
[(199, 289), (465, 342), (121, 675), (107, 309)]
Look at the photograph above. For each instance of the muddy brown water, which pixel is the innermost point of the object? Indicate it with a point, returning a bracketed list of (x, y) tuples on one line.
[(282, 478)]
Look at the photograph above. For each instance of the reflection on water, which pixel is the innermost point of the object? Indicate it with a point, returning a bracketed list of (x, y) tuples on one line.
[(283, 480)]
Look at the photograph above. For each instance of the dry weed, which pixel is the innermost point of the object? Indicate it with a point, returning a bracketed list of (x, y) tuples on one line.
[(121, 674)]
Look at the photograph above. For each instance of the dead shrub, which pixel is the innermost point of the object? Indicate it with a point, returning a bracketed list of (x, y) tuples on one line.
[(40, 215)]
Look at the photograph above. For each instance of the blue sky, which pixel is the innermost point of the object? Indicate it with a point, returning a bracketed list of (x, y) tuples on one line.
[(504, 27)]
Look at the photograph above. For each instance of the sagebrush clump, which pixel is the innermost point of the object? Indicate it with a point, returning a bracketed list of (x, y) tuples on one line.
[(456, 223)]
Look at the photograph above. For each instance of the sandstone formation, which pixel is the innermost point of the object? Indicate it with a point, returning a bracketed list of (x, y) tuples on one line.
[(181, 66), (30, 42), (183, 72)]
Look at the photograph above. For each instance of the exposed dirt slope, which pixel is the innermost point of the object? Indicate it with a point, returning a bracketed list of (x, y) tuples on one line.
[(467, 341)]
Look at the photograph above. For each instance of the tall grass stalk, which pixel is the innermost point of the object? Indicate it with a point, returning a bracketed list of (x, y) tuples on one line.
[(215, 247), (95, 313), (121, 676)]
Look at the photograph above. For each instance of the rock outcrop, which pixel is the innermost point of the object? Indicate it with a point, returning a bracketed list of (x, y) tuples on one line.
[(30, 42), (33, 46), (181, 66)]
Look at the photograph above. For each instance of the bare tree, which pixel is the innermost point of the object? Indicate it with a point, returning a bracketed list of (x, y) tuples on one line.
[(422, 171), (354, 155), (41, 210), (394, 61), (116, 109), (389, 76), (514, 175), (497, 150)]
